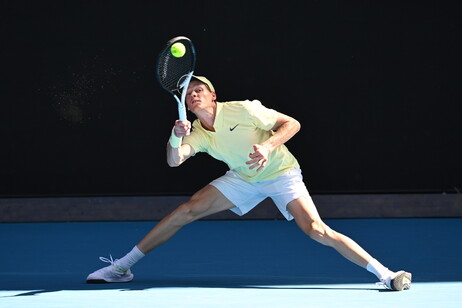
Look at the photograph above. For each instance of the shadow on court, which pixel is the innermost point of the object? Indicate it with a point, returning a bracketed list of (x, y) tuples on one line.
[(50, 257), (209, 283)]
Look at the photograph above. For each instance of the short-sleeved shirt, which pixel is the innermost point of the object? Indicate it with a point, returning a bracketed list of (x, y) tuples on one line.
[(238, 126)]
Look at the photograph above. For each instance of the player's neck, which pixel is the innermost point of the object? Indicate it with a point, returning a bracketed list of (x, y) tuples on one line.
[(207, 117)]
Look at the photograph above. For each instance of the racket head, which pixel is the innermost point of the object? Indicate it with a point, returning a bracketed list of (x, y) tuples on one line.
[(170, 69)]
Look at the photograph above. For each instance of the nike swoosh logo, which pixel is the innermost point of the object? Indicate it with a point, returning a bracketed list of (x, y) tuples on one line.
[(232, 128)]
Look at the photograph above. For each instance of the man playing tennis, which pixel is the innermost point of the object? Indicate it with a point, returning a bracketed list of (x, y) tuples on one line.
[(250, 139)]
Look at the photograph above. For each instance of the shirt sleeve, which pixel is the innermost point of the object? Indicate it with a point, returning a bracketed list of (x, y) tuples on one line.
[(262, 117)]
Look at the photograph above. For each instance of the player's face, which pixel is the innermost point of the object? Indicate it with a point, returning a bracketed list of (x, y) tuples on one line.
[(198, 96)]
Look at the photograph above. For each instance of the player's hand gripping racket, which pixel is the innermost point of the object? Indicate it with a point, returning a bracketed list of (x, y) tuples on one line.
[(175, 68)]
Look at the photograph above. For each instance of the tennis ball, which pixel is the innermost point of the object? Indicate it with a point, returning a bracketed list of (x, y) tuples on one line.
[(178, 50)]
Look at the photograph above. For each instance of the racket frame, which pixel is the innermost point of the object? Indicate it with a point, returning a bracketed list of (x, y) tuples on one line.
[(185, 79)]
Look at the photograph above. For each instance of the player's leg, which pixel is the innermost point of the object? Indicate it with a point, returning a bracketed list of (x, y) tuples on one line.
[(308, 219), (206, 201), (209, 200)]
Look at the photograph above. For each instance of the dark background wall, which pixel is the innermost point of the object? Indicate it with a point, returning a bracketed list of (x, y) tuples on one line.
[(376, 86)]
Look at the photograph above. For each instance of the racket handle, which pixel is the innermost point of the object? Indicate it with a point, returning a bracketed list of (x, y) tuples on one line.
[(182, 104), (181, 109)]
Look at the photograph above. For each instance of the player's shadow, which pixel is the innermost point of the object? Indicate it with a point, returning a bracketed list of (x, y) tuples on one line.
[(235, 282)]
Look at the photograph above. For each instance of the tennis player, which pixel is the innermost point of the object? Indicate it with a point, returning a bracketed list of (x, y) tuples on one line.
[(250, 139)]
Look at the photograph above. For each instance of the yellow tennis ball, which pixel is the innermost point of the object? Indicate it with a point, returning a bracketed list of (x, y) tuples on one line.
[(178, 50)]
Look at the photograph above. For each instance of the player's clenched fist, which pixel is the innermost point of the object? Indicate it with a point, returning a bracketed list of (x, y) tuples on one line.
[(182, 128)]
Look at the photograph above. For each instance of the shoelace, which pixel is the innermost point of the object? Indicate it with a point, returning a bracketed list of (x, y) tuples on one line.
[(385, 282), (382, 284), (108, 260), (112, 262)]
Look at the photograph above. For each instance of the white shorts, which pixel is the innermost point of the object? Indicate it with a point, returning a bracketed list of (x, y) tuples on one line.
[(245, 196)]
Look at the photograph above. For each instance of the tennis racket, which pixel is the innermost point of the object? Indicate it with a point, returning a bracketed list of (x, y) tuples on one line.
[(175, 72)]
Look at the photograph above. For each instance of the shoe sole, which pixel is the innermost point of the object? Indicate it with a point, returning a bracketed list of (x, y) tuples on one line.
[(402, 281), (100, 281)]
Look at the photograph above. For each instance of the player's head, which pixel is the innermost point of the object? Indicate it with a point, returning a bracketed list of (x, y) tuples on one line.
[(201, 92)]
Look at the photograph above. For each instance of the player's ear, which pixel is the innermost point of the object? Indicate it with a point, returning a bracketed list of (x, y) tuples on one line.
[(214, 96)]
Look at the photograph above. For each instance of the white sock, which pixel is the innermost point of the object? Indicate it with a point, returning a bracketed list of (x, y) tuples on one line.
[(376, 268), (130, 259)]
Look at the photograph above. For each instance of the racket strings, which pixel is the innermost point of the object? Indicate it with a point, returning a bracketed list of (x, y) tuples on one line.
[(171, 69)]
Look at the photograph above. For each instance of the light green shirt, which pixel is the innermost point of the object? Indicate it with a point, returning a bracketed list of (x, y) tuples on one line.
[(238, 126)]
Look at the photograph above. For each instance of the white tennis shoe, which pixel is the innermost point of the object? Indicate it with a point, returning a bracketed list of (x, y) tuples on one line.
[(110, 274), (398, 282)]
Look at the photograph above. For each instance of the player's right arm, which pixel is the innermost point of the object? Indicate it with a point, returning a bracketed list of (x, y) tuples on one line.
[(177, 154)]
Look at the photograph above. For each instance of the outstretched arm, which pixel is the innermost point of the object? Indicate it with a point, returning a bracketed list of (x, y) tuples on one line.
[(285, 128)]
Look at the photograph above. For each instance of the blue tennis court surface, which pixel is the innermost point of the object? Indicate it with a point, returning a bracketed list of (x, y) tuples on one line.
[(230, 264)]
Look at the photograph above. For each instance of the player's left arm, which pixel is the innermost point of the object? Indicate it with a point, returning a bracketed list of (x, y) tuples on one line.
[(284, 129)]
